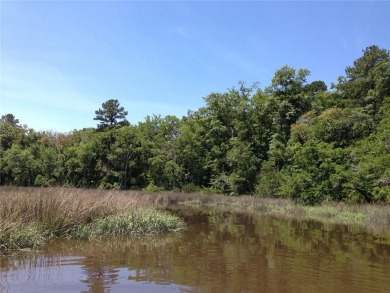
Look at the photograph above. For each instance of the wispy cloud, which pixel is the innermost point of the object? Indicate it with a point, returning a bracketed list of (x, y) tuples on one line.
[(44, 97), (35, 83), (140, 109)]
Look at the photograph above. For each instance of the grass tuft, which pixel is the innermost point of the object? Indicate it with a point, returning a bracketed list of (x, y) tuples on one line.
[(131, 223), (30, 216)]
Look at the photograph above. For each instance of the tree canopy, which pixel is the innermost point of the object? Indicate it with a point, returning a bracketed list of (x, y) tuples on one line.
[(293, 139), (111, 114), (10, 118)]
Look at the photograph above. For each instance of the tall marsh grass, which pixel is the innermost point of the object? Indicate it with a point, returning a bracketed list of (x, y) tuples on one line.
[(373, 218), (29, 216), (138, 222)]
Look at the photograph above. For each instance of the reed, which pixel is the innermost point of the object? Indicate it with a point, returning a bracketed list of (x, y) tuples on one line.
[(374, 218), (29, 216), (139, 222)]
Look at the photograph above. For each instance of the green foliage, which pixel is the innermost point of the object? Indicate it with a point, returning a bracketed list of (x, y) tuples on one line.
[(367, 83), (22, 236), (190, 187), (269, 182), (10, 119), (10, 132), (244, 164), (317, 171), (131, 223), (292, 139), (153, 188), (165, 173), (370, 169), (289, 97), (20, 165), (342, 127), (29, 217), (111, 114)]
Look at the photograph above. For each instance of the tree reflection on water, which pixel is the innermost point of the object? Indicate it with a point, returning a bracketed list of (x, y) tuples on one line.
[(219, 252)]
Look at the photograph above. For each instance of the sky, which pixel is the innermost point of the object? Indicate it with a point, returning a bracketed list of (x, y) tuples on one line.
[(60, 60)]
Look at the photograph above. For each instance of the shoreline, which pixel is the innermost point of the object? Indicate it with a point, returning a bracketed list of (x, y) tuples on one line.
[(31, 216)]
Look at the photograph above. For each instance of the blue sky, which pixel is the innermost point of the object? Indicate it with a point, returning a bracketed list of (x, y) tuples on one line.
[(60, 60)]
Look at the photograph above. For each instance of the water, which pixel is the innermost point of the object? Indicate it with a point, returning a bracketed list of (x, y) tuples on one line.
[(220, 252)]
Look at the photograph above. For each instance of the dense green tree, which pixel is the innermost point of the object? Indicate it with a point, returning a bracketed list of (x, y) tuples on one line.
[(367, 82), (192, 149), (20, 166), (111, 114), (10, 131), (83, 165), (292, 139), (342, 127), (288, 98), (159, 143), (126, 165), (244, 166), (316, 87), (269, 180), (51, 170), (10, 118), (370, 167), (316, 171), (165, 173), (227, 124)]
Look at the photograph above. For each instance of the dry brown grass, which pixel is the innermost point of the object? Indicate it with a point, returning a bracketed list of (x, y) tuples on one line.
[(29, 216), (58, 207), (373, 218)]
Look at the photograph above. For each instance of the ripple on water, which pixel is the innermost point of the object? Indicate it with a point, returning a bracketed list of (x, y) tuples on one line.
[(219, 252)]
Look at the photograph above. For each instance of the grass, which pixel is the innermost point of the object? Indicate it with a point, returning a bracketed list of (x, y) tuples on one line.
[(146, 221), (374, 218), (31, 216)]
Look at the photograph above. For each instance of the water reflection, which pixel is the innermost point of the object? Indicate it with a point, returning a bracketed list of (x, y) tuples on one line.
[(220, 252)]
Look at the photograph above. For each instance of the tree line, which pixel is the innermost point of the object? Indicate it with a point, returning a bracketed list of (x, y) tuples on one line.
[(292, 139)]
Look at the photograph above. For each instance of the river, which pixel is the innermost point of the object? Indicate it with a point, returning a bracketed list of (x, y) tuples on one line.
[(219, 252)]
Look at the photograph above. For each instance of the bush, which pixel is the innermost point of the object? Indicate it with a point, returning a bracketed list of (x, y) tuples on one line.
[(190, 187), (382, 194), (153, 188)]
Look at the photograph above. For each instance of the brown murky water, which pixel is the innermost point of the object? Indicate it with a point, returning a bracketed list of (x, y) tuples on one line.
[(220, 252)]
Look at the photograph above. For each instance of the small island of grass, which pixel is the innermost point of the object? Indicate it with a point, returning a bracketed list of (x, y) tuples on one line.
[(31, 216)]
